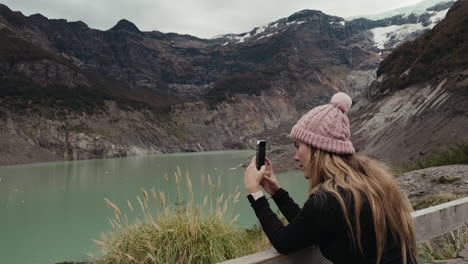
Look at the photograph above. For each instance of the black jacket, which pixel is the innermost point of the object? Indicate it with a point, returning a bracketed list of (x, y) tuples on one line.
[(321, 222)]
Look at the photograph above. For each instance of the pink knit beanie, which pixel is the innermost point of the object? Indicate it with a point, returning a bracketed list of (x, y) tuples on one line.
[(327, 127)]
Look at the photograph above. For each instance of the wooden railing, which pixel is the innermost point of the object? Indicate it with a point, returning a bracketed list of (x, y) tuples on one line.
[(428, 223)]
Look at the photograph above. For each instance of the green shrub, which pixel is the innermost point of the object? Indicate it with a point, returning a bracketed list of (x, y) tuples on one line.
[(454, 153), (179, 238)]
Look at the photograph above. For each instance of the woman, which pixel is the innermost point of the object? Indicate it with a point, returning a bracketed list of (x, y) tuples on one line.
[(355, 211)]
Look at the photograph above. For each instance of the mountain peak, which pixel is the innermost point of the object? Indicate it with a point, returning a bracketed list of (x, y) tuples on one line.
[(124, 24), (304, 14), (38, 16), (4, 9)]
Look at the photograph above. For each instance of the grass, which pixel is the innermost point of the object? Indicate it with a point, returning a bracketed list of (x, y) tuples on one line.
[(447, 246), (446, 179), (455, 153), (183, 231), (71, 262), (433, 201)]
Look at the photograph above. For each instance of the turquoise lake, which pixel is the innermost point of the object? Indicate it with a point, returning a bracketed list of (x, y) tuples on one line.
[(52, 212)]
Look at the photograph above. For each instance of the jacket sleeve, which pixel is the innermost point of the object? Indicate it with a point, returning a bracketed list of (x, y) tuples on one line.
[(286, 204), (308, 228)]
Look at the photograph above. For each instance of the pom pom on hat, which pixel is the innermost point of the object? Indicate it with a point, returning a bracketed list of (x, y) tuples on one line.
[(327, 127), (342, 101)]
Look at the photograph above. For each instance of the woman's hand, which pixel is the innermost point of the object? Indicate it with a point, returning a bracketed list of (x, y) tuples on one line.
[(253, 177), (269, 183)]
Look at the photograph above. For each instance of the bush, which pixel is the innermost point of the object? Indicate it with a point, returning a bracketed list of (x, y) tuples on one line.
[(180, 238), (454, 153), (183, 232)]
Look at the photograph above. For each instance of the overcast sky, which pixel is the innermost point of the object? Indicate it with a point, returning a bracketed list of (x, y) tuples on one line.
[(201, 18)]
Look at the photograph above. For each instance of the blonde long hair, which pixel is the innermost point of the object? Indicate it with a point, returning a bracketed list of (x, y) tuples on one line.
[(363, 176)]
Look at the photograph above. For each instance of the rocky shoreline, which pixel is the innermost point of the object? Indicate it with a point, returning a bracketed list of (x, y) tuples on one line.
[(443, 181)]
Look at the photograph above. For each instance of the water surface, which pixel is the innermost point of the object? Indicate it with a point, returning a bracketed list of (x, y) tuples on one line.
[(51, 212)]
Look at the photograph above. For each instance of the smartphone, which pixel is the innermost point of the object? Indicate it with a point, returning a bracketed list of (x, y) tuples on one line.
[(260, 157)]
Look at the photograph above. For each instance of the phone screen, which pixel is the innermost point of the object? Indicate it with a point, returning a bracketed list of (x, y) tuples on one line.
[(260, 157)]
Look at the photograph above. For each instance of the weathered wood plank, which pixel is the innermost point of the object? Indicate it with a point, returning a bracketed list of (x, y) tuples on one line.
[(271, 256), (440, 219)]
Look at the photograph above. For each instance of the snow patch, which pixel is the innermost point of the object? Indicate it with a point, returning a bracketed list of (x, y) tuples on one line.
[(260, 30), (398, 32), (416, 9), (268, 35), (241, 39), (295, 22), (437, 17), (338, 22)]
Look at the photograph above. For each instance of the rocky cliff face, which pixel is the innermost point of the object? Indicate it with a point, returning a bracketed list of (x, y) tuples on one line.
[(71, 92), (30, 137), (418, 101)]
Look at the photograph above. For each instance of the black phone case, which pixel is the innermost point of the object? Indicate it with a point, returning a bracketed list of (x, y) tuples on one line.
[(260, 156)]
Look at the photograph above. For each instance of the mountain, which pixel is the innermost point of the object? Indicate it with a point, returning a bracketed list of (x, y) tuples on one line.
[(389, 32), (390, 36), (419, 99), (71, 92)]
